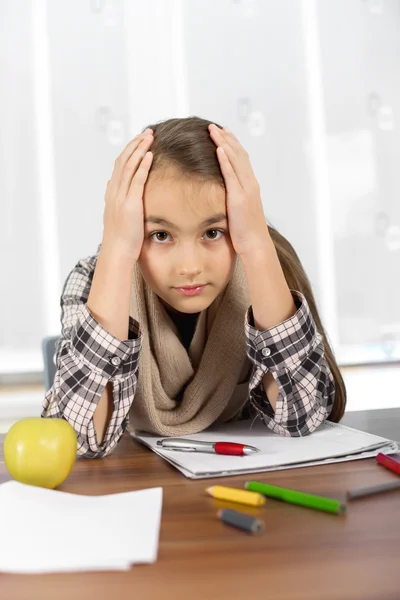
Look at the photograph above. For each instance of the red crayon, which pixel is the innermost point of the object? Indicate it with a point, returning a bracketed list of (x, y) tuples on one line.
[(389, 462)]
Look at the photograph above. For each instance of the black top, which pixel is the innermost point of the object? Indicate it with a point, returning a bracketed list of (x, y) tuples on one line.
[(185, 323)]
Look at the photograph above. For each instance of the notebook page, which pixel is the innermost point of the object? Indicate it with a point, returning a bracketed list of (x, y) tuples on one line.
[(330, 441)]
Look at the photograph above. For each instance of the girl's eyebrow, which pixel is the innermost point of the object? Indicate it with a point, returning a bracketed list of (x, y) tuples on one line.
[(210, 221)]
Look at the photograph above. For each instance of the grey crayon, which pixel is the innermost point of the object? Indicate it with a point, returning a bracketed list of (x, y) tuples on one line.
[(374, 489), (241, 520)]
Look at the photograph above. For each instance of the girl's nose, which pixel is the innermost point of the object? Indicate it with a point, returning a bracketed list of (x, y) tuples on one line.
[(191, 270), (189, 262)]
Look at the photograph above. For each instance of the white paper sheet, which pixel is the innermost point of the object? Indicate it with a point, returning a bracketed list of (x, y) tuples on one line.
[(44, 531), (331, 442)]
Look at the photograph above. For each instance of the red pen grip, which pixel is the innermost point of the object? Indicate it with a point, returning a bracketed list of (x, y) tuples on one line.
[(388, 462), (229, 448)]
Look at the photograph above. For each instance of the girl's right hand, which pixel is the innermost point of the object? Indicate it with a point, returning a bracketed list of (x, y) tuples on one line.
[(123, 214)]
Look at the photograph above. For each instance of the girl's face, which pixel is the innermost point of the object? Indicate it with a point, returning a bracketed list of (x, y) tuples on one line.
[(186, 241)]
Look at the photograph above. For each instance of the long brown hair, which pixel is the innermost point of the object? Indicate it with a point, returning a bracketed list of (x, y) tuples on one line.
[(185, 144)]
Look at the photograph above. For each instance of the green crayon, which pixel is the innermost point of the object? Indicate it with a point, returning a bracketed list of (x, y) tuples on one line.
[(295, 497)]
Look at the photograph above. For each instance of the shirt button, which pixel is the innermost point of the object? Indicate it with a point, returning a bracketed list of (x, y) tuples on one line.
[(266, 351), (116, 361)]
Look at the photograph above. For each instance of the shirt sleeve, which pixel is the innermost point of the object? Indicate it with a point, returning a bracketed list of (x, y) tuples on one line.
[(293, 352), (88, 357)]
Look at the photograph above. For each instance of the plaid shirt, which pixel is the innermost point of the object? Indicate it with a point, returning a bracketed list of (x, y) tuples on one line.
[(88, 357)]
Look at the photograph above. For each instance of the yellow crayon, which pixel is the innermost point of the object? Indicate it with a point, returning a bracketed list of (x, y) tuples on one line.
[(236, 495)]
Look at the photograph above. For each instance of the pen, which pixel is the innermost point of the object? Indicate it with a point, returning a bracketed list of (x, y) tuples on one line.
[(387, 461), (373, 489), (295, 497), (185, 445)]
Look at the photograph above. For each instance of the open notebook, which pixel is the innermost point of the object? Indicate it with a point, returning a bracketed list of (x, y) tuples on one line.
[(331, 442)]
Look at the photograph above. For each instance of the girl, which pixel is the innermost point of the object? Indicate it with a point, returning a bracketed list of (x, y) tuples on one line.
[(193, 310)]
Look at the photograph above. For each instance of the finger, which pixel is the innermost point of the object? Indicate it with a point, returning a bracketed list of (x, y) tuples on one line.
[(234, 161), (232, 139), (227, 170), (140, 178), (237, 155), (132, 165), (228, 138), (133, 144), (123, 158)]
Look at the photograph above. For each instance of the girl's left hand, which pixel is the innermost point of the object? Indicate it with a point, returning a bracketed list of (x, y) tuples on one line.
[(247, 224)]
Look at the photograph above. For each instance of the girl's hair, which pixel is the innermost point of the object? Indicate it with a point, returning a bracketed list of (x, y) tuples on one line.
[(186, 145)]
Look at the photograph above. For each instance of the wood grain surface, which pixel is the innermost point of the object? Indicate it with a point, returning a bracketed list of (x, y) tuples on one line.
[(302, 554)]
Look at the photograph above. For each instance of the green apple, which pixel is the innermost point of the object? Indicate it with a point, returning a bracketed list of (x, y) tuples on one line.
[(40, 451)]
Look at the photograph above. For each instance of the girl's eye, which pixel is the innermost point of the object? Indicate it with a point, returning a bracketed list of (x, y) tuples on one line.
[(159, 236), (213, 234)]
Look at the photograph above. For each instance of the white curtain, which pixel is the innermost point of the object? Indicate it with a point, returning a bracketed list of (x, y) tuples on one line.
[(311, 88)]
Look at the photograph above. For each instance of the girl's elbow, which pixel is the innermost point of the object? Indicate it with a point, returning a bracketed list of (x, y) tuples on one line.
[(311, 420)]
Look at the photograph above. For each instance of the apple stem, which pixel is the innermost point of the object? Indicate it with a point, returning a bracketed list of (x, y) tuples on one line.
[(49, 407)]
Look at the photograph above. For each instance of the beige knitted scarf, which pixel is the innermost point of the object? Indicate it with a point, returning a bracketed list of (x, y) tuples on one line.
[(215, 369)]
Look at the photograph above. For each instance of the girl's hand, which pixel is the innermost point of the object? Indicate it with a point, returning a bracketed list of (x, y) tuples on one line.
[(123, 213), (247, 224)]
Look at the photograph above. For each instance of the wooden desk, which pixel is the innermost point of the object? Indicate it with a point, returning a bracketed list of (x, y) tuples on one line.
[(303, 554)]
